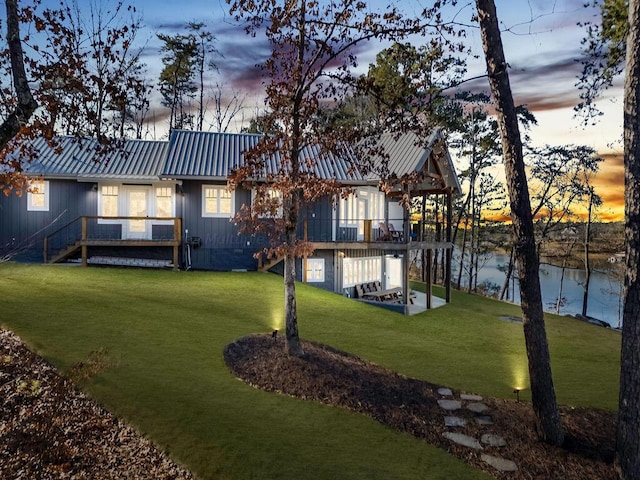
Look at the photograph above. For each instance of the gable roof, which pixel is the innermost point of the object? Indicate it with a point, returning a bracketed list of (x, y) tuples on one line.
[(79, 159), (408, 154)]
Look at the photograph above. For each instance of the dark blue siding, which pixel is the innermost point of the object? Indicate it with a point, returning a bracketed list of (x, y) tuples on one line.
[(319, 218), (22, 232), (221, 246)]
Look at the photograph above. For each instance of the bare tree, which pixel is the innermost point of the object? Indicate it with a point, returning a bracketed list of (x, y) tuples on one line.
[(225, 110), (548, 422)]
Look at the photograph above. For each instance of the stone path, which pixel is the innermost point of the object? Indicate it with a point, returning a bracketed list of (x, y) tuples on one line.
[(488, 441)]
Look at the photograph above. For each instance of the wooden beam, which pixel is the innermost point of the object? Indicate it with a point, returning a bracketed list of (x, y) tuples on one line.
[(387, 246), (428, 277), (448, 251)]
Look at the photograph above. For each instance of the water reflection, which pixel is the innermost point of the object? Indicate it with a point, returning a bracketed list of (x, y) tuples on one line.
[(604, 291)]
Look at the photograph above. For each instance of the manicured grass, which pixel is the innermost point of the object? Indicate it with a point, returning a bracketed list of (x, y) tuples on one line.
[(166, 331)]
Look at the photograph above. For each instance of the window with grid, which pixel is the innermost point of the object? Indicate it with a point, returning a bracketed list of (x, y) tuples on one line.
[(315, 270), (164, 202), (38, 196), (217, 201), (109, 201), (361, 270)]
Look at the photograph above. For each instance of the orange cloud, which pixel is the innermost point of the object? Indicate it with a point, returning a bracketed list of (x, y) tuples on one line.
[(609, 184)]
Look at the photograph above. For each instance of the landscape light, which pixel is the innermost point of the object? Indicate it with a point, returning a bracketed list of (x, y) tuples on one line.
[(517, 392), (274, 334)]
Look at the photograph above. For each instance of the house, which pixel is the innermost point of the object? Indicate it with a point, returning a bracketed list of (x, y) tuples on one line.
[(165, 203)]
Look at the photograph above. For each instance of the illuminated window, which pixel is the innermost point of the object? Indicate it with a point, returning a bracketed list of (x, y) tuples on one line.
[(315, 270), (272, 194), (361, 270), (109, 201), (164, 202), (38, 196), (217, 201), (348, 211)]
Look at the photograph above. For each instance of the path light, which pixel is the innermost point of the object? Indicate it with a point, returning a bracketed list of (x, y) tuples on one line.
[(516, 391), (274, 334)]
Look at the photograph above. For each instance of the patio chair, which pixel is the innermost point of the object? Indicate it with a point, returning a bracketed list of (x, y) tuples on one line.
[(385, 234), (396, 235)]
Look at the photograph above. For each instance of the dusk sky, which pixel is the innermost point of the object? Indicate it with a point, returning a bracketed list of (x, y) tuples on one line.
[(542, 46)]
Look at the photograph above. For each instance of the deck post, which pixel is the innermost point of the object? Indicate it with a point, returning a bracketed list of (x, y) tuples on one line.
[(305, 231), (83, 238), (428, 276), (46, 241), (449, 251), (177, 237)]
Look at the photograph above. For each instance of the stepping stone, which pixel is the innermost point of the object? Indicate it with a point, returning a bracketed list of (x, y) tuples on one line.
[(454, 422), (464, 440), (477, 407), (467, 396), (446, 392), (483, 420), (493, 440), (450, 404), (499, 463)]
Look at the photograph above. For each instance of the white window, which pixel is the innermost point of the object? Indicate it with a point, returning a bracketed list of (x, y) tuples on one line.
[(164, 202), (315, 270), (108, 201), (349, 211), (368, 204), (38, 196), (361, 270), (276, 197), (217, 201)]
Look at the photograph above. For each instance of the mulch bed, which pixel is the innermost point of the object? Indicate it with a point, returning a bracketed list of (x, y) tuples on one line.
[(50, 430), (337, 378)]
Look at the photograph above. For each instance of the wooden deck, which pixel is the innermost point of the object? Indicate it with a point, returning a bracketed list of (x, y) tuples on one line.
[(90, 236)]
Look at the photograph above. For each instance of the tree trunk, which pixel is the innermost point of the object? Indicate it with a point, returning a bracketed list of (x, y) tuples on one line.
[(587, 262), (507, 278), (462, 252), (559, 299), (292, 338), (26, 103), (627, 459), (548, 422)]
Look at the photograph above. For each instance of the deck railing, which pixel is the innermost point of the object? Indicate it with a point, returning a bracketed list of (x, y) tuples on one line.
[(369, 230), (95, 230)]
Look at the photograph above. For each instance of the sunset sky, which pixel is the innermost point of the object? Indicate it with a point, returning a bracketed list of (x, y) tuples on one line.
[(542, 46)]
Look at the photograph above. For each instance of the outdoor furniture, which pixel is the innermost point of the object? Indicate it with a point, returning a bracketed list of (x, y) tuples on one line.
[(396, 235), (390, 294), (389, 233)]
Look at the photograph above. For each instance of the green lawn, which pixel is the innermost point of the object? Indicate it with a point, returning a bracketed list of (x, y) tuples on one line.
[(166, 331)]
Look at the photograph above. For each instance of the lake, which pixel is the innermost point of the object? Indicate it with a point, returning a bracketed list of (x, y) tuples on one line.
[(604, 290)]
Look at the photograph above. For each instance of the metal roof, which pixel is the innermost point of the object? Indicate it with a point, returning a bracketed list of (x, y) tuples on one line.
[(211, 155), (408, 154), (79, 158)]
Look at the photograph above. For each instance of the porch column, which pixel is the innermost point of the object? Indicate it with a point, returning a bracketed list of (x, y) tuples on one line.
[(449, 251), (84, 241), (406, 290), (428, 277), (406, 286)]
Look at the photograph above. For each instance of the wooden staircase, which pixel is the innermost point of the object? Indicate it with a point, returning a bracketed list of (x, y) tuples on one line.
[(65, 253), (266, 265)]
